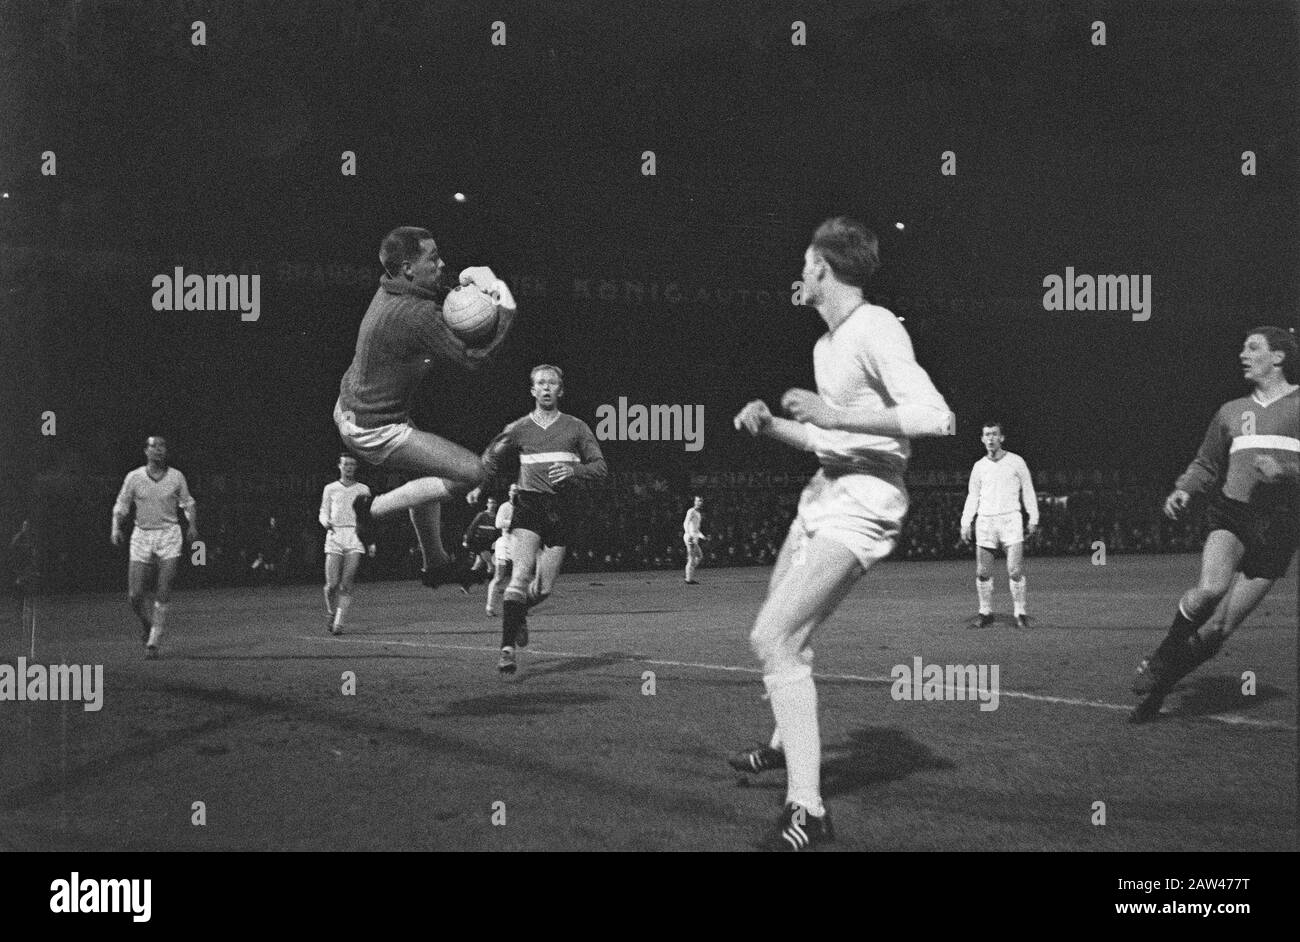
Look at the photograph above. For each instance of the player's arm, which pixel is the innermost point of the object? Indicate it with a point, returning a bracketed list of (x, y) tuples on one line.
[(972, 501), (483, 277), (324, 515), (757, 419), (591, 468), (187, 504), (919, 410), (434, 336), (121, 508), (1204, 471), (1027, 496)]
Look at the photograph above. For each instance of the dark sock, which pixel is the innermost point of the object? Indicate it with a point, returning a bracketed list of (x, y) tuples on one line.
[(1179, 632), (511, 618), (1205, 648), (1191, 655)]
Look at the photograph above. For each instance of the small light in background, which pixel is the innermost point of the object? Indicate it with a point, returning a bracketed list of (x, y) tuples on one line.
[(458, 197)]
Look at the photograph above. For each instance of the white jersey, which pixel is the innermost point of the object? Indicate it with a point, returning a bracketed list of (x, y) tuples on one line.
[(867, 363), (1000, 487), (156, 502), (691, 525), (336, 503)]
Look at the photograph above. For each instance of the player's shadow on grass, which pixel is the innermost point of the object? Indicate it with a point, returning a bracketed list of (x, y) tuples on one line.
[(873, 755), (571, 665), (869, 756), (518, 703), (1210, 694)]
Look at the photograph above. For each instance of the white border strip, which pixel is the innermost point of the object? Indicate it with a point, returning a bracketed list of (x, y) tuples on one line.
[(1230, 719)]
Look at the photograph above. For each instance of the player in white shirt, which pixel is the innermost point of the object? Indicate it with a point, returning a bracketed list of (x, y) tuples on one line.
[(871, 397), (691, 536), (343, 546), (158, 493), (501, 553), (999, 487)]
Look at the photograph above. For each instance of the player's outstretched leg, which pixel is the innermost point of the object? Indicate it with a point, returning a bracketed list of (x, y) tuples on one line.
[(161, 606), (347, 577), (1219, 561), (1242, 599), (1018, 583), (137, 584), (524, 552), (822, 572), (983, 587), (333, 575), (495, 587)]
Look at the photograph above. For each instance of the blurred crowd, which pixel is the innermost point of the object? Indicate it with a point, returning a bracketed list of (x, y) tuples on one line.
[(625, 526)]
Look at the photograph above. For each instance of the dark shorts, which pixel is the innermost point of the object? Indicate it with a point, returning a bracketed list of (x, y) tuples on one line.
[(544, 514), (1270, 538)]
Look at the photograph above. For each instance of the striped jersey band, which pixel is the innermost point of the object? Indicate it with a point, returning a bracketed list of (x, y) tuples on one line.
[(1277, 442), (547, 457)]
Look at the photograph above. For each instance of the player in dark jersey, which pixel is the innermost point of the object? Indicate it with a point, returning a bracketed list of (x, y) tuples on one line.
[(555, 450), (480, 536), (1249, 465), (402, 337)]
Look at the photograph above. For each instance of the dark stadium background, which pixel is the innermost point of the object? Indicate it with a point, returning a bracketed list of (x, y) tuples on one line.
[(226, 158)]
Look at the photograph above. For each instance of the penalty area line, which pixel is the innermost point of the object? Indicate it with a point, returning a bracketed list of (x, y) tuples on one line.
[(1226, 718)]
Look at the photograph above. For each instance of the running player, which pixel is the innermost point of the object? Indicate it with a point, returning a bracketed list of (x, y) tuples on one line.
[(691, 536), (158, 493), (343, 548), (1249, 466), (872, 397), (999, 487), (401, 337), (555, 450), (480, 536), (501, 552)]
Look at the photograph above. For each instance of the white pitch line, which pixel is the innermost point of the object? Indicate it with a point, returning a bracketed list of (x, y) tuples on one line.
[(1228, 718)]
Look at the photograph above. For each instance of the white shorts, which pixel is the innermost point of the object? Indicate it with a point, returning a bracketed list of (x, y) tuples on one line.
[(163, 544), (691, 544), (999, 530), (501, 549), (343, 540), (372, 444), (861, 512)]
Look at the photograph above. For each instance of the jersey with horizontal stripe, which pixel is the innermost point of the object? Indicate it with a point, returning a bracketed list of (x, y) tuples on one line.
[(336, 503), (482, 529), (867, 362), (1242, 431), (567, 440), (156, 502)]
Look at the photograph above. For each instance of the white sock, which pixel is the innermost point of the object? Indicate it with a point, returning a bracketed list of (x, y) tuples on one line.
[(411, 494), (1018, 594), (345, 602), (794, 704), (690, 571), (985, 589), (159, 623), (329, 601)]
